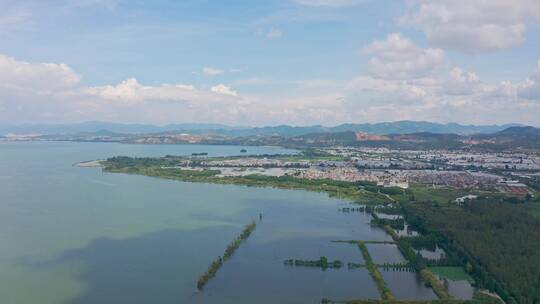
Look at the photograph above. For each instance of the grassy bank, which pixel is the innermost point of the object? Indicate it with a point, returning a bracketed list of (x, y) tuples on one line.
[(435, 284), (384, 291), (451, 273), (337, 189)]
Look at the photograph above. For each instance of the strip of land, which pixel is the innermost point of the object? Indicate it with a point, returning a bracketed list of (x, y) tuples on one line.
[(229, 251)]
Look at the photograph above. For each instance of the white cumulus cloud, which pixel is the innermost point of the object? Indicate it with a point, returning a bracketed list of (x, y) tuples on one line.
[(15, 74), (434, 90), (530, 89), (426, 87), (473, 26), (223, 89), (131, 91), (397, 57)]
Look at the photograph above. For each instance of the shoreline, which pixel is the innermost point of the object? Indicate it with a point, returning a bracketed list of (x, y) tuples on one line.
[(90, 164)]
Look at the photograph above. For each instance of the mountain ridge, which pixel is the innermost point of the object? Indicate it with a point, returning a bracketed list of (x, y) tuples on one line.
[(511, 137), (381, 128)]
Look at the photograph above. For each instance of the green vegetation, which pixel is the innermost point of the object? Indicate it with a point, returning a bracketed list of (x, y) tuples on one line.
[(422, 241), (231, 248), (534, 209), (415, 260), (497, 242), (435, 284), (488, 239), (355, 265), (377, 221), (403, 266), (388, 209), (385, 292), (391, 232), (164, 168), (451, 301), (441, 195), (478, 298), (210, 273), (398, 224), (379, 242), (313, 154), (451, 273), (386, 266), (352, 209), (494, 239), (320, 263), (485, 299), (391, 190)]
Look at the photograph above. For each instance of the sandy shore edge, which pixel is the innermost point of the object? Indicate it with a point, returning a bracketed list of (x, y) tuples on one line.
[(89, 164)]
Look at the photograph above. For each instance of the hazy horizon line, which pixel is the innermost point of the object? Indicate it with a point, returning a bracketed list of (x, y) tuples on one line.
[(259, 126)]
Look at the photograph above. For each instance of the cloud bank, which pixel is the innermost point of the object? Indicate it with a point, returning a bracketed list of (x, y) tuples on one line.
[(473, 26), (404, 81)]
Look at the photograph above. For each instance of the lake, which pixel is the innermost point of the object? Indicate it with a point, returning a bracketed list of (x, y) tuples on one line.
[(78, 235)]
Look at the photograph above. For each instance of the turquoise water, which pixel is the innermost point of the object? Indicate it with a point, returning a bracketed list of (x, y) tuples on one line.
[(78, 235)]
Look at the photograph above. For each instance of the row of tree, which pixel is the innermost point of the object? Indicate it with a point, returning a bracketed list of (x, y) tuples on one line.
[(322, 262), (231, 248)]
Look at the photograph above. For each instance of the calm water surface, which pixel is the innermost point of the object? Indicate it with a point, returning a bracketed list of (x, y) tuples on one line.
[(77, 235), (461, 289)]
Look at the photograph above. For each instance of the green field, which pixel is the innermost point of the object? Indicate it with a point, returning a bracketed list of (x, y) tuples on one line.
[(439, 194), (451, 273), (533, 209)]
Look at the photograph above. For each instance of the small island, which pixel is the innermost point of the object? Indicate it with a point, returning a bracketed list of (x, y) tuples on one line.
[(199, 154)]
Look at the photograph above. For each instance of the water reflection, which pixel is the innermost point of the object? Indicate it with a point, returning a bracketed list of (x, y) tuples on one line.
[(243, 280), (147, 269), (385, 253), (134, 239), (461, 289), (407, 285), (257, 274)]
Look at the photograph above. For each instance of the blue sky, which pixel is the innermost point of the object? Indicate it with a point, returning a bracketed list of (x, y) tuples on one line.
[(269, 62)]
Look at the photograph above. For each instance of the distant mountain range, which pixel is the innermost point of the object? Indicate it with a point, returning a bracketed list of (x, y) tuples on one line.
[(392, 135), (398, 127), (510, 138), (98, 126)]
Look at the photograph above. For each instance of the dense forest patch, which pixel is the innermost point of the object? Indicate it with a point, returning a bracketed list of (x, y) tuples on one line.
[(500, 241)]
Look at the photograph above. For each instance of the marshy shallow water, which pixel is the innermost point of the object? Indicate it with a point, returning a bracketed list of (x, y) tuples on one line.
[(77, 235)]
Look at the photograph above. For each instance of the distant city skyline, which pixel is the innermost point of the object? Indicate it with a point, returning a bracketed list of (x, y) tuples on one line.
[(269, 62)]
